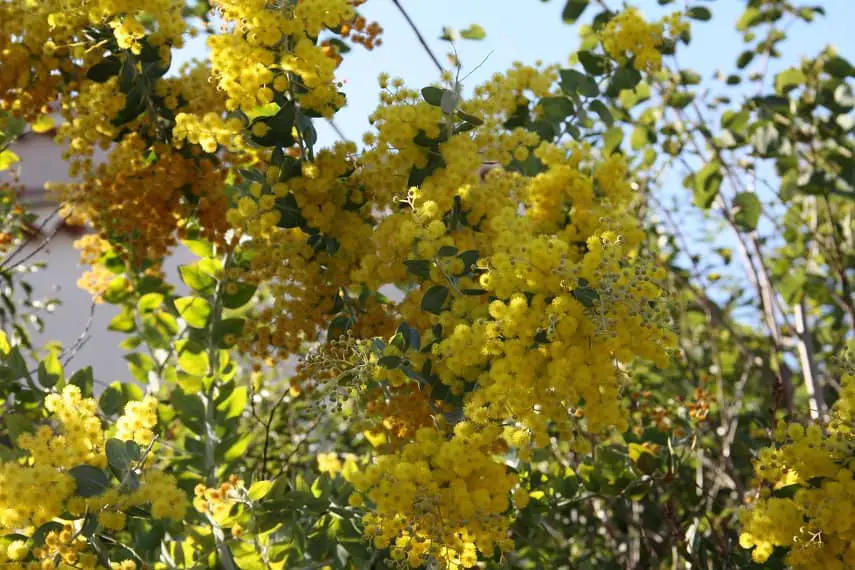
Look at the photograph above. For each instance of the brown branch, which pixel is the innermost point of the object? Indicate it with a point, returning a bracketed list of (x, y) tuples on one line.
[(419, 35)]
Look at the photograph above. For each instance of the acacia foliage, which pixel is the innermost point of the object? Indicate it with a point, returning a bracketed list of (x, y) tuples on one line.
[(568, 375)]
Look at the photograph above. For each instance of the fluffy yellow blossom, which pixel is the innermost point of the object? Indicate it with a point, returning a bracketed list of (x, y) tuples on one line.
[(808, 506), (629, 35)]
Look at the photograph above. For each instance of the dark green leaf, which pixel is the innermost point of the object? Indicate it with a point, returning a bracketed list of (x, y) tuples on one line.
[(556, 108), (602, 110), (573, 9), (624, 77), (279, 127), (593, 63), (434, 299), (390, 361), (573, 82), (240, 297), (83, 379), (101, 72), (433, 95), (90, 481), (339, 326), (121, 454), (701, 13), (226, 328), (419, 267), (585, 295), (839, 67)]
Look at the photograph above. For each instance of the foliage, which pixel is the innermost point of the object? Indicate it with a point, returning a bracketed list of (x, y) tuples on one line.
[(486, 337)]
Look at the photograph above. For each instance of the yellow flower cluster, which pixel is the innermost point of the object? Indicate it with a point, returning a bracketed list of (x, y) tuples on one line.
[(253, 63), (806, 499), (37, 41), (440, 499), (544, 298), (218, 501), (141, 205), (76, 437), (138, 421), (62, 550), (629, 35), (332, 464), (81, 439)]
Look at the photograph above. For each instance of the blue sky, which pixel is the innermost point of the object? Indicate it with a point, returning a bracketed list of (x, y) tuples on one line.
[(527, 30)]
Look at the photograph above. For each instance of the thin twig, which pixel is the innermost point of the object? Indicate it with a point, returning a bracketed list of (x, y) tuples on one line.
[(419, 35)]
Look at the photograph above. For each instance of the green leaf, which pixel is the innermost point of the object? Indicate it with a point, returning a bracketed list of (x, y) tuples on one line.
[(279, 127), (573, 10), (469, 258), (199, 247), (701, 13), (390, 361), (587, 296), (745, 58), (835, 66), (639, 137), (602, 110), (433, 95), (121, 454), (238, 449), (573, 82), (240, 297), (194, 310), (90, 481), (118, 290), (788, 80), (474, 32), (197, 279), (680, 99), (149, 302), (689, 77), (474, 292), (140, 366), (556, 108), (339, 326), (746, 210), (83, 379), (707, 184), (16, 424), (192, 359), (624, 77), (104, 70), (446, 251), (419, 267), (17, 365), (259, 490), (612, 139), (434, 299), (50, 371), (124, 321), (749, 17), (594, 64), (227, 327)]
